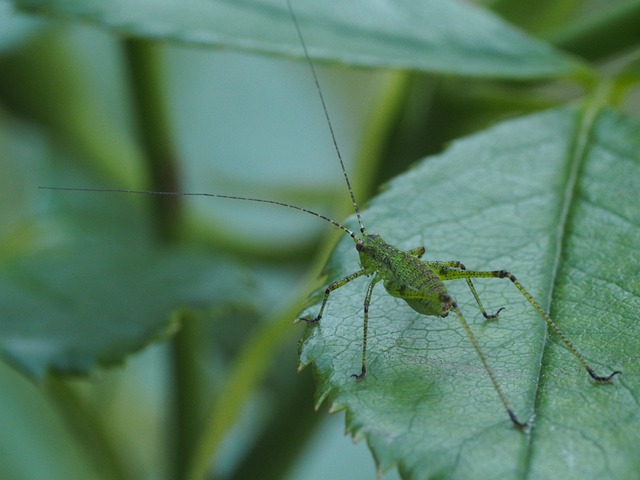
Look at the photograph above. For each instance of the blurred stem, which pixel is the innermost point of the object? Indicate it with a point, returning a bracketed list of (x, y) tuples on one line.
[(146, 76), (250, 367), (535, 16), (417, 115), (87, 427), (289, 429), (608, 31), (149, 98), (375, 149), (187, 392), (44, 81)]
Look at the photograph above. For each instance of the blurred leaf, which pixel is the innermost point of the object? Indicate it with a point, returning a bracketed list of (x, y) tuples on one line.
[(442, 36), (30, 424), (552, 198), (15, 27), (70, 309), (85, 284)]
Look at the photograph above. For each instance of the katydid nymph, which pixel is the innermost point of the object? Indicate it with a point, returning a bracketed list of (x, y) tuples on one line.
[(403, 273)]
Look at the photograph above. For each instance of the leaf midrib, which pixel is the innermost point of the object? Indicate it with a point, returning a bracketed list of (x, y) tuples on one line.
[(577, 154)]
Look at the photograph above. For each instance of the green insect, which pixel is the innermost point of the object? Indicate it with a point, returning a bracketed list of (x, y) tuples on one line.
[(421, 284)]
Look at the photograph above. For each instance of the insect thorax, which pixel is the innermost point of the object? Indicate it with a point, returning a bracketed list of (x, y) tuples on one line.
[(405, 276)]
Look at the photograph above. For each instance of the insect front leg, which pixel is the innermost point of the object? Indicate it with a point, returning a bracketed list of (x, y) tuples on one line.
[(365, 328), (330, 288), (469, 274)]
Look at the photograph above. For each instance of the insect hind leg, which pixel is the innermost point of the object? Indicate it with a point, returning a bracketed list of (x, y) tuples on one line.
[(453, 274), (472, 338)]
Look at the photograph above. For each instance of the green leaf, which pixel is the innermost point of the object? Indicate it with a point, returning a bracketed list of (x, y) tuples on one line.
[(72, 309), (552, 198), (84, 284), (442, 36), (29, 420)]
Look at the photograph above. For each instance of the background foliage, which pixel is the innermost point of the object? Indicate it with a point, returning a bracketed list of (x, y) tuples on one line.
[(193, 300)]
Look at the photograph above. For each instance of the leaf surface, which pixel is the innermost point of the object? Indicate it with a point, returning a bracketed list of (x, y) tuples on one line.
[(550, 197), (442, 36)]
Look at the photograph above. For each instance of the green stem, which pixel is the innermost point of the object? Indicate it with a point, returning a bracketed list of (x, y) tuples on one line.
[(185, 348), (605, 33), (87, 427), (377, 141), (146, 74), (156, 135), (290, 428), (250, 367)]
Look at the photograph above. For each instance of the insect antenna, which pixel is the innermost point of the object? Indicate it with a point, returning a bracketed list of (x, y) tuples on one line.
[(326, 114), (210, 195), (261, 200)]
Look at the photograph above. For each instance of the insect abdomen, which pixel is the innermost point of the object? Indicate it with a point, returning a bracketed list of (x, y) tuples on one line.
[(422, 288)]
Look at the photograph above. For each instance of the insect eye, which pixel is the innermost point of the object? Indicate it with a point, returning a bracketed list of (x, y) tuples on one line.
[(359, 246)]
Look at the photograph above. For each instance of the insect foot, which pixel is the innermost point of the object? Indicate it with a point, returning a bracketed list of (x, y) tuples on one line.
[(361, 375), (493, 316), (517, 423), (309, 320), (600, 379), (553, 326)]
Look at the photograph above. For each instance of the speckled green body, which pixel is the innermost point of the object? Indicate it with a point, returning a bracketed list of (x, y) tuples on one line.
[(405, 276)]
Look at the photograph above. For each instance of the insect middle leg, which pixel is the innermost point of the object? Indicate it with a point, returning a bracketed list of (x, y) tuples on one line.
[(416, 252), (453, 274), (330, 288), (419, 251)]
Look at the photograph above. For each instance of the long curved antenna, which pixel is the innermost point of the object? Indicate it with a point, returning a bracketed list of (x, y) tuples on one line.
[(326, 114), (211, 195)]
